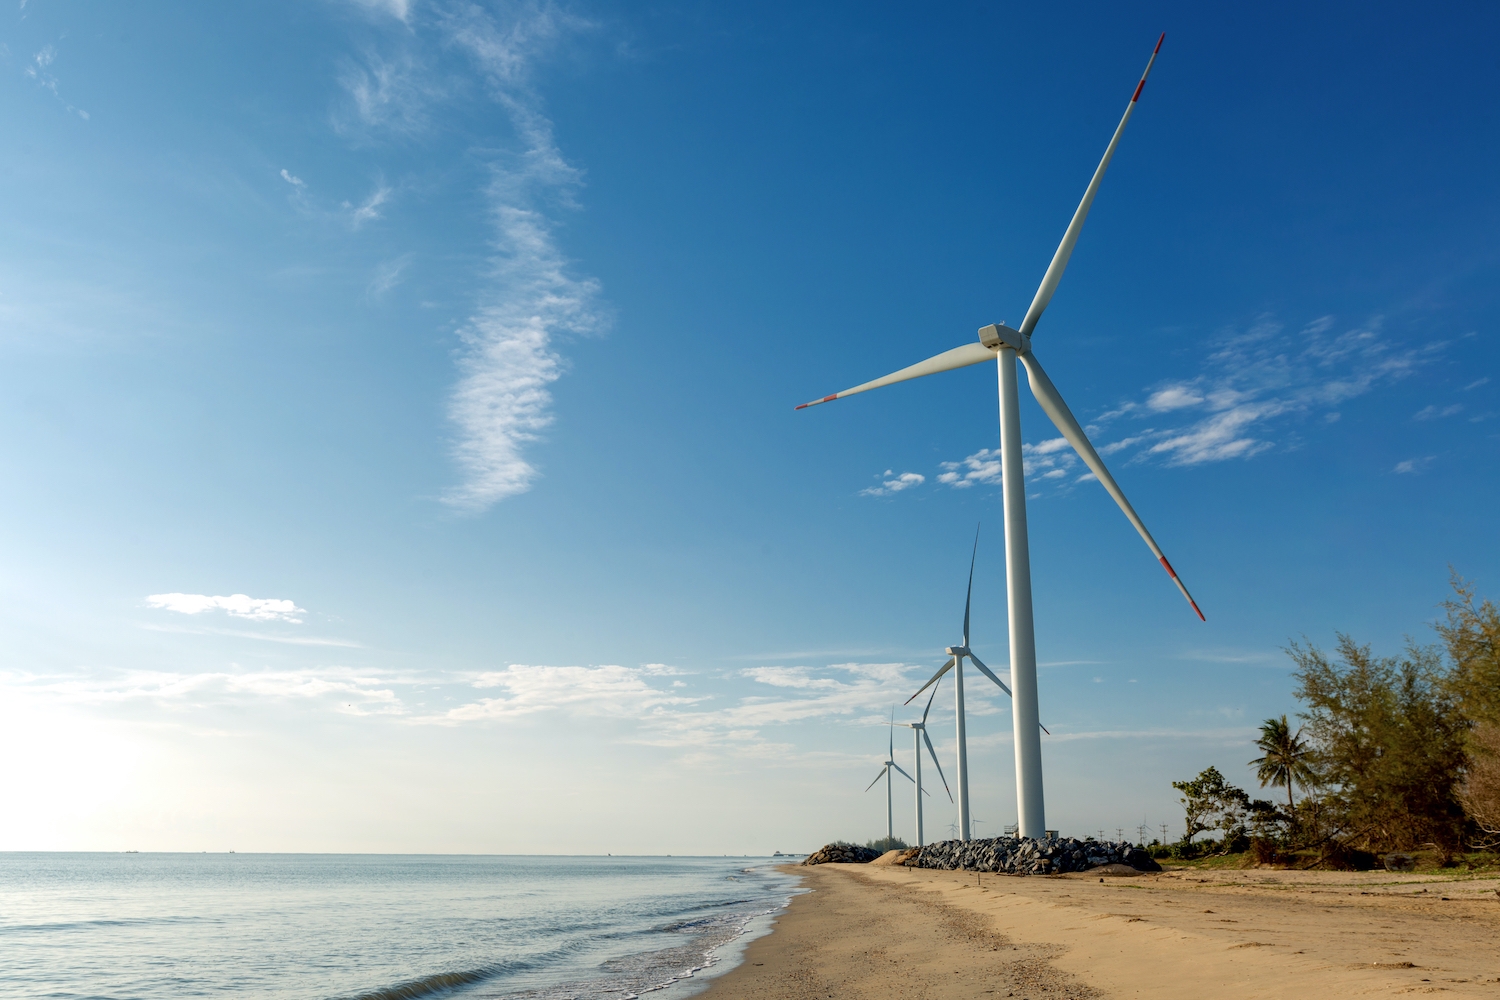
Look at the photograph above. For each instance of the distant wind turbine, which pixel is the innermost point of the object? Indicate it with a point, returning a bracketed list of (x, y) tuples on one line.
[(956, 656), (918, 737), (885, 772), (1000, 343)]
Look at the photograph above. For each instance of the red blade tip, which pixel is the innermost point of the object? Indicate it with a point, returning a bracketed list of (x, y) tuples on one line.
[(802, 406), (1163, 38)]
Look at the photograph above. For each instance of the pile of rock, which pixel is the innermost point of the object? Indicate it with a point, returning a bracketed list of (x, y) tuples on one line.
[(1024, 856), (847, 854)]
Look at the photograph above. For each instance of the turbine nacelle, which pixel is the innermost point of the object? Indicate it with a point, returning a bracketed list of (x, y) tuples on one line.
[(998, 335)]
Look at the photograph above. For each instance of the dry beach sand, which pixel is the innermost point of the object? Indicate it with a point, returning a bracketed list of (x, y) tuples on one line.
[(894, 932)]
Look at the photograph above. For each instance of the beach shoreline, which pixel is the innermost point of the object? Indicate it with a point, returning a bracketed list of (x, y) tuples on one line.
[(891, 932)]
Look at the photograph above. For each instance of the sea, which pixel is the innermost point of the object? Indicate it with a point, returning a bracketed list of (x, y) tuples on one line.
[(373, 927)]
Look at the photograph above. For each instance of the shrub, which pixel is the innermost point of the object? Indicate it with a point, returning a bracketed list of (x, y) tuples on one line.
[(886, 844)]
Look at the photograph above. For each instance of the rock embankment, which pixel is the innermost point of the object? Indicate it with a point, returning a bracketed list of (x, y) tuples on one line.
[(1023, 856), (847, 854)]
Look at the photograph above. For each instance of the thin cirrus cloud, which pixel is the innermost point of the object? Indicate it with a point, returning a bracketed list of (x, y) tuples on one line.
[(1413, 465), (259, 609), (369, 209), (668, 714), (655, 704), (501, 403), (388, 275), (40, 70), (345, 690), (1256, 380), (389, 94), (399, 9), (1435, 412)]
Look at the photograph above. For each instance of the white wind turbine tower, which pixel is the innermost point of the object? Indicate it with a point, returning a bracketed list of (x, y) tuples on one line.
[(918, 737), (885, 772), (1005, 345), (956, 656)]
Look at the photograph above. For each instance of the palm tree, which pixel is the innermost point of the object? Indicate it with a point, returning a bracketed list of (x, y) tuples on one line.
[(1287, 758)]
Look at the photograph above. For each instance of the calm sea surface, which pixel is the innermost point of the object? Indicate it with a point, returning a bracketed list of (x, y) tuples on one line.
[(149, 926)]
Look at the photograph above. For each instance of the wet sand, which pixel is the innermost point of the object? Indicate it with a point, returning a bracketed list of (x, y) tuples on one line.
[(891, 932)]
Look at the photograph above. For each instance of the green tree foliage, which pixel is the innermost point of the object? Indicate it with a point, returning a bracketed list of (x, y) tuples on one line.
[(1388, 741), (1472, 637), (1286, 758), (887, 844), (1211, 803)]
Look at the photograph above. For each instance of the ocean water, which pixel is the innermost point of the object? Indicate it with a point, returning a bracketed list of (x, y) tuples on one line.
[(341, 927)]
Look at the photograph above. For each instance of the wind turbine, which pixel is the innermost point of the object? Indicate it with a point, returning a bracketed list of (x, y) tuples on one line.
[(918, 737), (885, 772), (1001, 343)]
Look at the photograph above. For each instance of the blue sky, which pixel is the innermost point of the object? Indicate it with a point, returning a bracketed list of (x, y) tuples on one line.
[(461, 341)]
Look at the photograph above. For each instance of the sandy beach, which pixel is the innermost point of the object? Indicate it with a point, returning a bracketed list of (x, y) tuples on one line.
[(892, 932)]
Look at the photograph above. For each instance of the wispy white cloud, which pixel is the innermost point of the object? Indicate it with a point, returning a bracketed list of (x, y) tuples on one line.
[(345, 690), (388, 275), (1477, 383), (602, 691), (1052, 459), (399, 9), (1248, 382), (390, 94), (39, 70), (1435, 412), (369, 209), (532, 296), (1413, 465), (291, 179), (668, 715), (260, 609), (288, 640), (502, 403), (893, 483), (1253, 380), (1173, 397)]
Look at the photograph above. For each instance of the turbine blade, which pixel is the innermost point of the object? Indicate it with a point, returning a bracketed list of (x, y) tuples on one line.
[(1052, 403), (1065, 249), (929, 699), (969, 594), (986, 671), (877, 778), (933, 753), (959, 357), (946, 667), (903, 773), (891, 731)]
